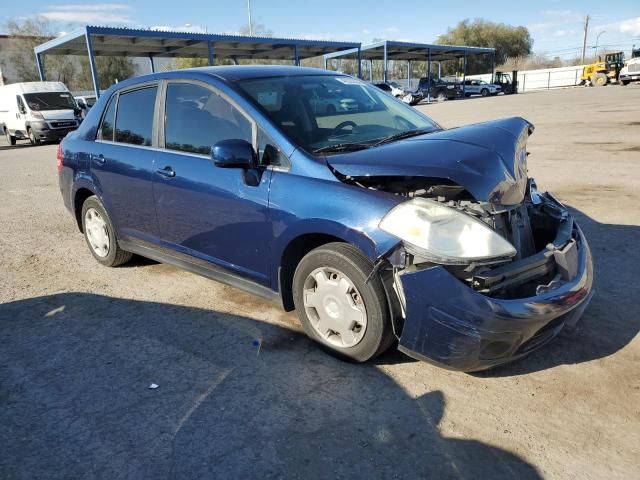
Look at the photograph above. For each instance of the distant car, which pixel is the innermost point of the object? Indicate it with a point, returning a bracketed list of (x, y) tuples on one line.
[(323, 101), (392, 88), (85, 102), (480, 87), (439, 90), (378, 226)]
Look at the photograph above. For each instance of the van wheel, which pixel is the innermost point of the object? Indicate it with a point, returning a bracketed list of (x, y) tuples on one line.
[(337, 307), (32, 137), (11, 140), (100, 235), (484, 92)]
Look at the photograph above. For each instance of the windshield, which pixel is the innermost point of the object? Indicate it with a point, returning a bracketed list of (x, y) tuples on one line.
[(50, 101), (320, 112)]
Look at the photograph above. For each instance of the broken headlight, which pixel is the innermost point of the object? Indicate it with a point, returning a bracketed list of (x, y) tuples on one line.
[(444, 235)]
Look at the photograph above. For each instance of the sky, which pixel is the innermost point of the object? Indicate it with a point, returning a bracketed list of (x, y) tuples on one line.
[(556, 26)]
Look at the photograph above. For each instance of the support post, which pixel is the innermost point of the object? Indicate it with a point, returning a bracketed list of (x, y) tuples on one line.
[(92, 65), (384, 67), (371, 69), (324, 62), (464, 76), (549, 80), (151, 65), (235, 60), (212, 60), (359, 63), (493, 66), (408, 74), (40, 65), (429, 76), (296, 59)]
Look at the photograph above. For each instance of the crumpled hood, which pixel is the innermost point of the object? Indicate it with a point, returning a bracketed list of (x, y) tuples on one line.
[(488, 159)]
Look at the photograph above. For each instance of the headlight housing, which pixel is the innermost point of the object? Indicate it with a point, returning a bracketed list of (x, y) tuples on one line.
[(444, 235)]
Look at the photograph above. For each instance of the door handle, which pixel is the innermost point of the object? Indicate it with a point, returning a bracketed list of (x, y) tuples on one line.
[(167, 172), (98, 158)]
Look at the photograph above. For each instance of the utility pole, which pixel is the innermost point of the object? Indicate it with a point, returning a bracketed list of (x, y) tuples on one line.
[(584, 40), (251, 23)]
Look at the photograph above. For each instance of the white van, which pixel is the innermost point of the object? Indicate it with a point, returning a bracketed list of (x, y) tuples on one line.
[(38, 111)]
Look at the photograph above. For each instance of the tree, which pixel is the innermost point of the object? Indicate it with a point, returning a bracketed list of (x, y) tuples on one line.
[(109, 70), (509, 41), (23, 38), (74, 72)]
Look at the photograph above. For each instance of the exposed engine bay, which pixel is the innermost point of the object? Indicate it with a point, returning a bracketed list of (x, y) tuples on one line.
[(540, 229)]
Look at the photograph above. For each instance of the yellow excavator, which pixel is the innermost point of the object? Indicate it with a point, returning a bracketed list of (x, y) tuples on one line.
[(599, 73)]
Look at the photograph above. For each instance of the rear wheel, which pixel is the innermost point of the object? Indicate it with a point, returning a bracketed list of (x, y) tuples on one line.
[(100, 234), (507, 90), (599, 80), (11, 140), (624, 83), (441, 97), (337, 307), (32, 137)]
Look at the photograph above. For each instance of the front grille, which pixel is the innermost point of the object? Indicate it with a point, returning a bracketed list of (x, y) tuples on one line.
[(634, 67), (63, 124)]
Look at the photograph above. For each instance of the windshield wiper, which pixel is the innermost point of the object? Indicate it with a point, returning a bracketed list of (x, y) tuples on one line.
[(342, 147), (401, 135)]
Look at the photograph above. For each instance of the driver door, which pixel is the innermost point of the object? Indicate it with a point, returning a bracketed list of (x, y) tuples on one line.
[(219, 215)]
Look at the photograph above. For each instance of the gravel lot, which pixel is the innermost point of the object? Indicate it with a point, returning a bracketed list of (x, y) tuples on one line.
[(243, 394)]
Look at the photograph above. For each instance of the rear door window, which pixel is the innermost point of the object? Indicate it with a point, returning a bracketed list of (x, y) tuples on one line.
[(196, 118), (134, 119)]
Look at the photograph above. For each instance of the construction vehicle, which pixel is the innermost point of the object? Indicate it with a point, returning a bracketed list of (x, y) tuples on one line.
[(600, 73), (508, 82)]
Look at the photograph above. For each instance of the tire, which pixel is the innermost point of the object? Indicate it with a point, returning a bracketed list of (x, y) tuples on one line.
[(374, 334), (441, 97), (113, 254), (507, 90), (32, 137), (484, 92), (11, 140), (624, 83), (599, 80)]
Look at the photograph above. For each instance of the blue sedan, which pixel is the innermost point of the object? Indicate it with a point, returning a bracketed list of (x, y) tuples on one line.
[(374, 223)]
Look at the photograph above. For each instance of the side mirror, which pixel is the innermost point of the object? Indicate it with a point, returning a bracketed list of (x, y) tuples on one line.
[(234, 154), (23, 110)]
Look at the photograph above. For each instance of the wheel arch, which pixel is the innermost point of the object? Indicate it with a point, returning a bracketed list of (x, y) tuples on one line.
[(310, 235), (79, 197)]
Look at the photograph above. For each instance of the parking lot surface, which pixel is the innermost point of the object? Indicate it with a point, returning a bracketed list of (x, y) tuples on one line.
[(241, 392)]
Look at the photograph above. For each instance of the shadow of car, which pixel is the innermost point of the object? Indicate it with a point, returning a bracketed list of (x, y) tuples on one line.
[(235, 398)]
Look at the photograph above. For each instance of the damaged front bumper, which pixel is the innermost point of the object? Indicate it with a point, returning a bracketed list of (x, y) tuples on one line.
[(456, 327)]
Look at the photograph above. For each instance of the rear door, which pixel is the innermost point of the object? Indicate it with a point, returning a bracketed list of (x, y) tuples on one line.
[(217, 214), (122, 161)]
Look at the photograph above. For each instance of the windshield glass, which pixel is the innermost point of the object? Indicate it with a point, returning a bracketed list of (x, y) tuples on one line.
[(320, 111), (50, 101)]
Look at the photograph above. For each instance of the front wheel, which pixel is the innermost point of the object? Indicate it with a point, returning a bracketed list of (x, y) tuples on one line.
[(11, 140), (32, 137), (624, 83), (337, 307), (100, 234), (441, 97), (484, 92)]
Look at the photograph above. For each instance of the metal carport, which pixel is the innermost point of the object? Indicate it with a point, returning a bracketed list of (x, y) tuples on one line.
[(392, 50), (128, 42)]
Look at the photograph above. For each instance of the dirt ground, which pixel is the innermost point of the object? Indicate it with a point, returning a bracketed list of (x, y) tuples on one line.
[(243, 394)]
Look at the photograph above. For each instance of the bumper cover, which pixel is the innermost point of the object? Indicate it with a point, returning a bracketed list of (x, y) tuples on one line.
[(451, 325), (45, 133)]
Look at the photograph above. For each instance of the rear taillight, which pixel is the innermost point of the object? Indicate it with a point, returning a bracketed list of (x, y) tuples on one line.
[(60, 157)]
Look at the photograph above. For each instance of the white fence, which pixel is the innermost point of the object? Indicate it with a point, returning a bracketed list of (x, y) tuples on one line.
[(544, 78)]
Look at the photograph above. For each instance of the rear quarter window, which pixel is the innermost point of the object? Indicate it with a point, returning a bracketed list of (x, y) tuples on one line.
[(105, 132)]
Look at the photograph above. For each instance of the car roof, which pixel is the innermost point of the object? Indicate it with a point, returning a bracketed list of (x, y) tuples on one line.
[(229, 73)]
